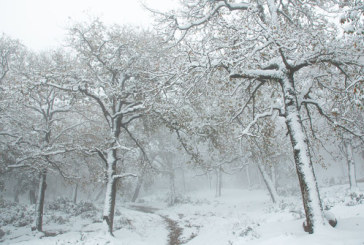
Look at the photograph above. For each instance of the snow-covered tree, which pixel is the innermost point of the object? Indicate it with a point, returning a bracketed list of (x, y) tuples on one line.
[(41, 122), (115, 67), (263, 42)]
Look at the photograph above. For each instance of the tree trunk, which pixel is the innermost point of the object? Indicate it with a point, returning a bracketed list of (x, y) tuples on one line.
[(74, 194), (109, 204), (273, 175), (218, 181), (137, 188), (248, 176), (17, 192), (351, 166), (183, 180), (32, 196), (306, 176), (269, 183), (99, 193), (209, 178), (40, 201), (172, 189)]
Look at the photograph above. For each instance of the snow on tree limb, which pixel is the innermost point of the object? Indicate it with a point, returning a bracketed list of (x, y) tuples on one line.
[(131, 108), (4, 133), (258, 74), (120, 176), (320, 110), (256, 119), (250, 98)]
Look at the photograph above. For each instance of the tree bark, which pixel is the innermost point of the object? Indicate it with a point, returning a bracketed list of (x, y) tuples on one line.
[(306, 176), (109, 204), (351, 166), (268, 183), (40, 201)]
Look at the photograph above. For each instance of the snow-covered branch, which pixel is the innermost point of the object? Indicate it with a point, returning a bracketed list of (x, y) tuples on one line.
[(335, 123), (8, 134), (101, 104), (64, 131), (208, 16), (120, 176), (256, 119), (250, 98), (258, 74), (128, 109), (359, 80)]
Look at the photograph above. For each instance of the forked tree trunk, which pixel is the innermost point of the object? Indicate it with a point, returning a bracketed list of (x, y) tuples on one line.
[(40, 201), (351, 166), (268, 183), (306, 176), (109, 204)]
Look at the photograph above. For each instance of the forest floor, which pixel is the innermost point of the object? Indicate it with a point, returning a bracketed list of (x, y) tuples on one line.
[(237, 217)]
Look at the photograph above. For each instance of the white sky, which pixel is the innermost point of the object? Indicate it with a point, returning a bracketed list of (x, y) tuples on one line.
[(40, 24)]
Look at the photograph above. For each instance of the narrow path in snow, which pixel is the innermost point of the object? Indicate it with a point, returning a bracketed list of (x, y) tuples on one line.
[(144, 209), (175, 231)]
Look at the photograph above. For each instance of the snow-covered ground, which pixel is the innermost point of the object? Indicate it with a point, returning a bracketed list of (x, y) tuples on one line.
[(237, 217)]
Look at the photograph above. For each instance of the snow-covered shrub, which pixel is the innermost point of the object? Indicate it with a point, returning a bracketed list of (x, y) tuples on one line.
[(2, 233), (355, 198), (248, 232), (90, 215), (182, 199), (123, 222), (289, 191), (58, 219), (85, 207), (12, 213), (286, 206), (245, 232), (74, 209)]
